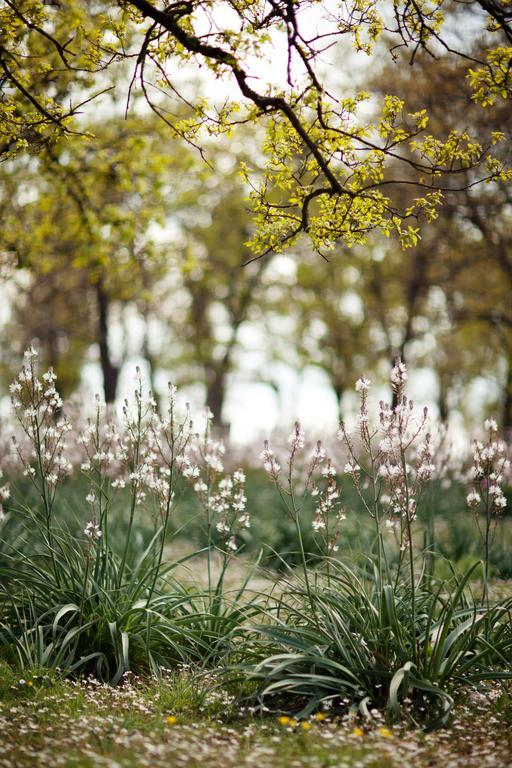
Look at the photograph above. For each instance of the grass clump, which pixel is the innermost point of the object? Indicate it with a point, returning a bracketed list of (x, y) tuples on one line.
[(103, 602)]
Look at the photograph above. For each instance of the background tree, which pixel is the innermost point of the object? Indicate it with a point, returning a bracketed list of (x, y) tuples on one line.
[(218, 292), (469, 246), (93, 208), (331, 330)]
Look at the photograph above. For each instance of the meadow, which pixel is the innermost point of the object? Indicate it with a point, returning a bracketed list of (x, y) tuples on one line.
[(297, 211), (329, 607)]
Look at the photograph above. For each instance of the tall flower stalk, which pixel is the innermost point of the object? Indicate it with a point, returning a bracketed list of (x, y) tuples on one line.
[(38, 408), (382, 463), (486, 497), (317, 481)]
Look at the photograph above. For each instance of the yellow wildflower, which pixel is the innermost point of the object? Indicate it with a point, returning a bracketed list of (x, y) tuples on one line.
[(305, 726), (385, 732), (357, 732), (171, 720), (319, 716)]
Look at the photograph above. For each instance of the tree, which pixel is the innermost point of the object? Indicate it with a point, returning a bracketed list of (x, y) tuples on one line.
[(470, 247), (330, 171), (90, 211), (331, 329), (218, 293), (51, 309), (48, 61)]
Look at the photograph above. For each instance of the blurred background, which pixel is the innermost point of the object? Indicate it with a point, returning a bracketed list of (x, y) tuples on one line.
[(130, 248)]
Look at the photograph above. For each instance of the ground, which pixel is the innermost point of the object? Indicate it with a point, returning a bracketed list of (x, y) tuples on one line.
[(46, 722)]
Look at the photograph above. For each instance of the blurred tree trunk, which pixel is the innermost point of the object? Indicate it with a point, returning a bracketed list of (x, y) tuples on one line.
[(507, 401), (216, 383), (442, 400), (109, 370), (339, 390), (149, 357)]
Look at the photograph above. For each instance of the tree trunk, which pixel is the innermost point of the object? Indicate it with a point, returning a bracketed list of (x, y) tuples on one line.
[(150, 360), (109, 370), (215, 396), (394, 399), (338, 394), (442, 400), (507, 402)]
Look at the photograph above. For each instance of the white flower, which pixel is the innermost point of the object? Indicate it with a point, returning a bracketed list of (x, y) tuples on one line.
[(319, 522), (473, 499), (362, 385), (386, 445), (500, 501), (425, 471), (399, 375), (490, 425), (92, 531), (270, 463), (245, 520), (213, 461), (319, 453), (297, 437), (191, 471)]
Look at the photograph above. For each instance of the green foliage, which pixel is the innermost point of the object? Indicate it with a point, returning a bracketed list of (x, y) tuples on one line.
[(350, 641), (329, 168)]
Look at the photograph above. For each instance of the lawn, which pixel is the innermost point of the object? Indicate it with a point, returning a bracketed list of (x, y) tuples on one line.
[(176, 722)]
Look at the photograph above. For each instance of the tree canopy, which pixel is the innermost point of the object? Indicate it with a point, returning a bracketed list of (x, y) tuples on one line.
[(339, 163)]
